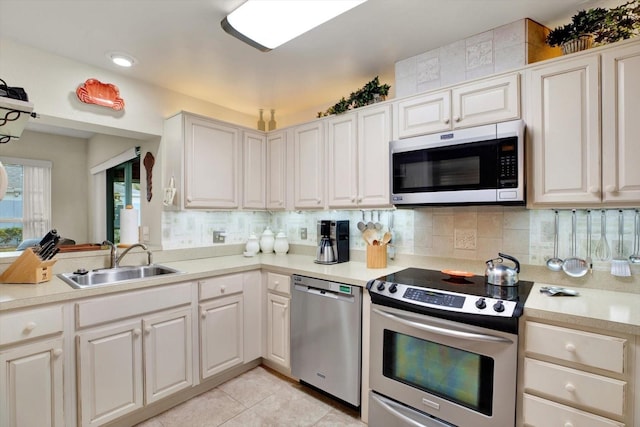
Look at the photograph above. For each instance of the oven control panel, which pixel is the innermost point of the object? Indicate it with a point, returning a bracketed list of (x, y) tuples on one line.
[(444, 300)]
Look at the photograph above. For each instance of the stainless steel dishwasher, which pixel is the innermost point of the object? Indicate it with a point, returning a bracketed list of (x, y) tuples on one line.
[(326, 330)]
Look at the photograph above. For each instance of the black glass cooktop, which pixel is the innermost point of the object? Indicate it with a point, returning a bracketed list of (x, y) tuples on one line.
[(474, 285)]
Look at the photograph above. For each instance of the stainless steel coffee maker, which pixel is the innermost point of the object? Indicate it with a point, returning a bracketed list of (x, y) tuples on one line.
[(333, 242)]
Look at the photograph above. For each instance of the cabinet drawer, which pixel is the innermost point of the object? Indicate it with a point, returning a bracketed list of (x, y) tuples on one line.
[(539, 412), (220, 286), (576, 387), (279, 283), (22, 325), (589, 349), (128, 304)]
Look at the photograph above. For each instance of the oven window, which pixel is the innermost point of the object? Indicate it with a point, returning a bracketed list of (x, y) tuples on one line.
[(456, 375)]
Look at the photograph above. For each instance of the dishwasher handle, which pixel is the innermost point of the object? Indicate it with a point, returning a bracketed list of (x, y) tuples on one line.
[(316, 291)]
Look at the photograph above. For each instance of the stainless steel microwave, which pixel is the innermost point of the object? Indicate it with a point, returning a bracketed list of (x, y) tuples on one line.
[(479, 165)]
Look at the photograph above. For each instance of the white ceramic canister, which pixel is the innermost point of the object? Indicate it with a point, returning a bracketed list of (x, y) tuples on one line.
[(252, 247), (281, 245), (267, 241)]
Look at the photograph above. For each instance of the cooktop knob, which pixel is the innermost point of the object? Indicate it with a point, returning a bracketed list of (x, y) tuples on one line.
[(381, 286), (498, 307), (393, 288), (481, 303)]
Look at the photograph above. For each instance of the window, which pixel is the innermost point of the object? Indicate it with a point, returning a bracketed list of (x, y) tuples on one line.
[(25, 210)]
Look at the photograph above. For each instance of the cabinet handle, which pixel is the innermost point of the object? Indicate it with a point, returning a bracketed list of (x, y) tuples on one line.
[(611, 189), (570, 347), (458, 119), (570, 387), (57, 352), (30, 326), (137, 332), (594, 190), (147, 330)]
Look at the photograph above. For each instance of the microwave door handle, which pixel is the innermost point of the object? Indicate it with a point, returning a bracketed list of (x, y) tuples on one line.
[(442, 331)]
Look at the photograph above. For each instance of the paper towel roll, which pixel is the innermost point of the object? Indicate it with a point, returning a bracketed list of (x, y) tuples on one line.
[(128, 226)]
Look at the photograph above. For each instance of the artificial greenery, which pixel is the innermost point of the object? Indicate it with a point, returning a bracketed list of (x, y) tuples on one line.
[(605, 25), (363, 96)]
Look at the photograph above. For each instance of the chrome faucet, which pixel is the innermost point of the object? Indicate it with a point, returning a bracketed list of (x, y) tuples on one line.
[(140, 245), (114, 253)]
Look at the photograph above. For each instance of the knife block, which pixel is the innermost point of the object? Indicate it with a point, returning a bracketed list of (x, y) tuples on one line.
[(28, 268)]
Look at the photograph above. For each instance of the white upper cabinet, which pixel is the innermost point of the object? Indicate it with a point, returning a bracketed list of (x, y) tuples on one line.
[(620, 125), (308, 146), (276, 170), (583, 135), (203, 157), (486, 101), (358, 158), (564, 131), (255, 170)]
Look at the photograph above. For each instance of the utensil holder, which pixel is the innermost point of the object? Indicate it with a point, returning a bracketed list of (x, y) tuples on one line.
[(376, 256), (28, 268)]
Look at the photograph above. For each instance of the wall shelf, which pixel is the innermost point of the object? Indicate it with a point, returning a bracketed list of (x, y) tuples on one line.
[(14, 115)]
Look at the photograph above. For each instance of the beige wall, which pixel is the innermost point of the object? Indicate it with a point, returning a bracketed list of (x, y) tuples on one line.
[(69, 188)]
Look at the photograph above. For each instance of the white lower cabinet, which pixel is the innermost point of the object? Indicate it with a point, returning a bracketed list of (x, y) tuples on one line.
[(576, 378), (32, 385), (132, 349), (221, 334), (31, 368), (278, 314)]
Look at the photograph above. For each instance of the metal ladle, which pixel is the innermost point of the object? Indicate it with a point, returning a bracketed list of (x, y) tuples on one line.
[(555, 263), (574, 266)]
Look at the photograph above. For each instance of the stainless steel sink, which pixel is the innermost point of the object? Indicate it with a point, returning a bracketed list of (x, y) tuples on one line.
[(112, 276)]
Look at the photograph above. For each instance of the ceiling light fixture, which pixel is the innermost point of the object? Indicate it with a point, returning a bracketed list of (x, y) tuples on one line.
[(121, 59), (266, 24)]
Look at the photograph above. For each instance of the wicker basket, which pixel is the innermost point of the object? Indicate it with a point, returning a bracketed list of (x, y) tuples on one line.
[(576, 45)]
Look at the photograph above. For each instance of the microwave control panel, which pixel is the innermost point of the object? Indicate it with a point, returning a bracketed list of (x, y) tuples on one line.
[(508, 163)]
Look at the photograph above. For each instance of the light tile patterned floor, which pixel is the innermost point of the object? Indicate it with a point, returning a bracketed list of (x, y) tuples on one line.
[(258, 398)]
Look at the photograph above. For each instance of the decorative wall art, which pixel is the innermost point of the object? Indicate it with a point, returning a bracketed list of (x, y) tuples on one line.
[(94, 91)]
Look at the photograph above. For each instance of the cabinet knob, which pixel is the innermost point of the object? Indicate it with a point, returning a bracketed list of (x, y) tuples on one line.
[(137, 332), (611, 189), (57, 352), (446, 121), (318, 201), (203, 314), (353, 198), (222, 289), (594, 190), (280, 202), (189, 199), (30, 326), (147, 330), (570, 347), (458, 119), (570, 387), (276, 282)]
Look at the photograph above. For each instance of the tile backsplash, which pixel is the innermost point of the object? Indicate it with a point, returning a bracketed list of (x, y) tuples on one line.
[(473, 233)]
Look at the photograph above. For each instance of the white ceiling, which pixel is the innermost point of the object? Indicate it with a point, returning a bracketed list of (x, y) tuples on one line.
[(180, 45)]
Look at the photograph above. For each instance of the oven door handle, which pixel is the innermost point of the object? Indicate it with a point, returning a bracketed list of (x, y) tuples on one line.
[(441, 331)]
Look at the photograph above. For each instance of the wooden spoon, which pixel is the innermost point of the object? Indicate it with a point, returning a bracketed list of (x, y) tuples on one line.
[(386, 238), (369, 235)]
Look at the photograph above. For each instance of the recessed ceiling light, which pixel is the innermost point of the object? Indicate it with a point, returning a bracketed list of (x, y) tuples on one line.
[(266, 24), (121, 59)]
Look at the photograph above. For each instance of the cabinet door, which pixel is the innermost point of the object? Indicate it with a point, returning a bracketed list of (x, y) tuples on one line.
[(487, 101), (620, 125), (565, 132), (253, 304), (221, 334), (309, 156), (424, 114), (212, 164), (278, 345), (32, 385), (255, 154), (167, 354), (342, 162), (276, 170), (374, 134), (110, 372)]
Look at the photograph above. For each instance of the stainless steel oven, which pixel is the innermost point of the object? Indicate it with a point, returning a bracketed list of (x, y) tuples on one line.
[(443, 352)]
